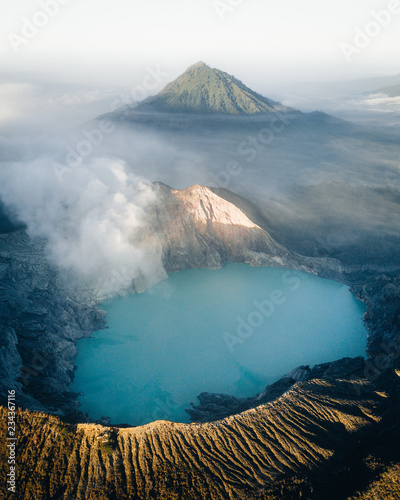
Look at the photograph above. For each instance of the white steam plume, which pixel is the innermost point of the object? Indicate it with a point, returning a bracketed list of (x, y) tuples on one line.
[(91, 219)]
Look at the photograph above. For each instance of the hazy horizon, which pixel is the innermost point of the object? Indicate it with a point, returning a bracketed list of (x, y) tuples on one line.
[(302, 42), (58, 52), (64, 63)]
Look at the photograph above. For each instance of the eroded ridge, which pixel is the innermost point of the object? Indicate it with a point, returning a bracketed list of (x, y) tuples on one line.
[(232, 458)]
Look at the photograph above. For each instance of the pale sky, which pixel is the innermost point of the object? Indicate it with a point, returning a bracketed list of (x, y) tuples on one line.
[(268, 38)]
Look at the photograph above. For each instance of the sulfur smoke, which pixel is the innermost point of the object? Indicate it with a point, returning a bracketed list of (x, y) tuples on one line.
[(91, 218)]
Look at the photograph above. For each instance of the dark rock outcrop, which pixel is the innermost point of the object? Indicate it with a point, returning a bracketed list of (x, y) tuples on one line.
[(213, 407), (43, 313)]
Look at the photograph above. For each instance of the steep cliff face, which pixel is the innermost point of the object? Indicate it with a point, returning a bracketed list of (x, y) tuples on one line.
[(234, 458), (382, 295), (42, 315), (197, 228)]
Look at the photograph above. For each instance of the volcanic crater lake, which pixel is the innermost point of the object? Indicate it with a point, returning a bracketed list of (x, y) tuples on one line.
[(231, 331)]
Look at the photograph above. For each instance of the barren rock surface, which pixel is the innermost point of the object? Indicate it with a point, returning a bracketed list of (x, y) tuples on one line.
[(230, 459)]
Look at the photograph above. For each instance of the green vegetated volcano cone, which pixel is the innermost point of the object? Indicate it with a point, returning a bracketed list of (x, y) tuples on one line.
[(201, 89)]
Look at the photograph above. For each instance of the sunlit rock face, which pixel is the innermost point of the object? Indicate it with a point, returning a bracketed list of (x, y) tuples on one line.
[(197, 228), (238, 457)]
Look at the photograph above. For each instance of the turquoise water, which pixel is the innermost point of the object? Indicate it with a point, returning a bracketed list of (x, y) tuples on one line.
[(229, 331)]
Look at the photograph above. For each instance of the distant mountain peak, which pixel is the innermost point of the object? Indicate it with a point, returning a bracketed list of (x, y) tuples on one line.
[(199, 64), (206, 90)]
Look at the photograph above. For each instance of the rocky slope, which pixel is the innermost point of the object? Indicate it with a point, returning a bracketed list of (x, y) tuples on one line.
[(197, 228), (43, 313), (217, 406), (238, 457)]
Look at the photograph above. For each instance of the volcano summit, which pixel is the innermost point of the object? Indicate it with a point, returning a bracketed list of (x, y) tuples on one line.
[(201, 89)]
